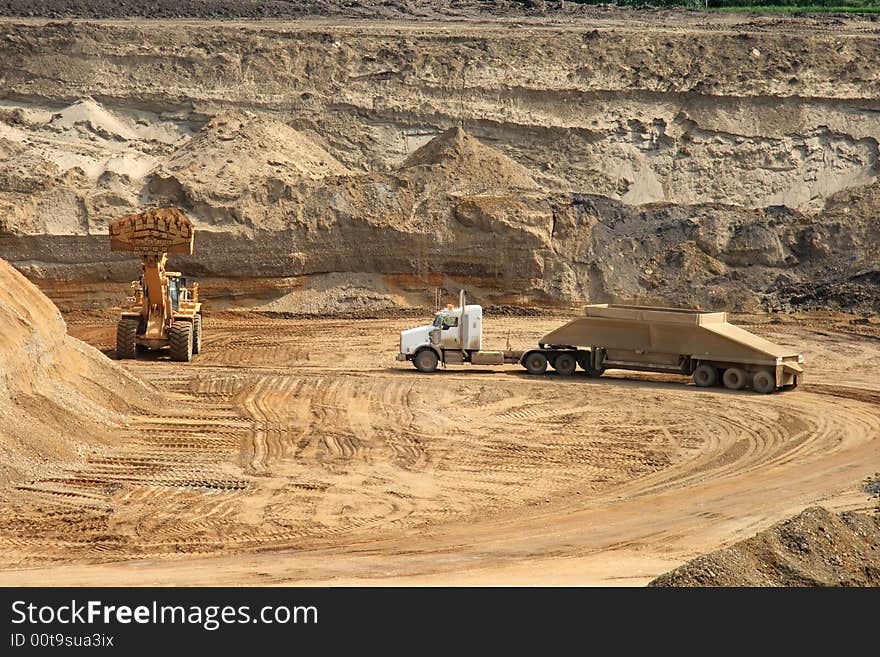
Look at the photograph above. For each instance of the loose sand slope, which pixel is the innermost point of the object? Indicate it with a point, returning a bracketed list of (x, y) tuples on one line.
[(57, 394)]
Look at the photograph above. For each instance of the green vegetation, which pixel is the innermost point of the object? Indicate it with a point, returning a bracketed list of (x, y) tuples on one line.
[(809, 9), (785, 6)]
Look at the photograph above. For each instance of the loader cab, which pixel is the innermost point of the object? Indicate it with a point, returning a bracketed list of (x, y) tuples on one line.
[(179, 290), (175, 285)]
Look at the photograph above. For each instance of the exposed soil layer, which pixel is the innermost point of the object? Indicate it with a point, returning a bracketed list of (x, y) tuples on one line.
[(278, 9), (711, 161)]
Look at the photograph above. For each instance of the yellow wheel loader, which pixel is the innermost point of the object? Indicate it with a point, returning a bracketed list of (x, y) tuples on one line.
[(164, 310)]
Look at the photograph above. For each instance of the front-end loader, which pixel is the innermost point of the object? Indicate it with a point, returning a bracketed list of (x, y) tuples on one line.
[(164, 310)]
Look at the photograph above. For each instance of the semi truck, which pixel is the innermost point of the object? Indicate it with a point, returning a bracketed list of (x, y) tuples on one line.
[(701, 345)]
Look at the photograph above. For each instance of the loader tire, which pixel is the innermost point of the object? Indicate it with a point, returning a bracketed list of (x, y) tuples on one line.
[(705, 376), (565, 364), (180, 340), (426, 361), (764, 382), (735, 378), (197, 334), (126, 338)]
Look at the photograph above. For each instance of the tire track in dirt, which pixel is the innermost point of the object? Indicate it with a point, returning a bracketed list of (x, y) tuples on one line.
[(265, 456)]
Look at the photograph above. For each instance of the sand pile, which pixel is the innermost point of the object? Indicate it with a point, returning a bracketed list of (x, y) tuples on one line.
[(238, 154), (93, 116), (70, 171), (458, 162), (815, 548), (57, 394), (337, 294)]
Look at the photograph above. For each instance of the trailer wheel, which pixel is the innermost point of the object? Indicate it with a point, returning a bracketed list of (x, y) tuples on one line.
[(705, 376), (764, 382), (426, 361), (735, 378), (565, 364), (535, 363), (583, 360)]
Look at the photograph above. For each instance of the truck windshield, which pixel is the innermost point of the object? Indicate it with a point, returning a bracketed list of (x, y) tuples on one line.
[(437, 319)]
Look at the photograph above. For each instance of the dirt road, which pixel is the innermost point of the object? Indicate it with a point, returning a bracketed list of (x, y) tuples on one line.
[(290, 453)]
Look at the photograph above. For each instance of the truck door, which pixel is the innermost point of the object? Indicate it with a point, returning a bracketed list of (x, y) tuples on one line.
[(450, 332)]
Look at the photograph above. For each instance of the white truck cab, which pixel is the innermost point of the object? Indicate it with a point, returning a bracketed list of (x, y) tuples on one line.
[(455, 337)]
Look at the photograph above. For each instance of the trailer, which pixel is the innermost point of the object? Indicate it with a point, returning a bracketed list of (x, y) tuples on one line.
[(701, 345)]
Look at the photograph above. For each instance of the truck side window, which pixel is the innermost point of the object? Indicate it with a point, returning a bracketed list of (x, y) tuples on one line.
[(449, 322)]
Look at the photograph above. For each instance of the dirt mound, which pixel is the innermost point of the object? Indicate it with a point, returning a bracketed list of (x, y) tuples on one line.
[(241, 154), (814, 548), (56, 393), (330, 295), (95, 117), (461, 163), (71, 170)]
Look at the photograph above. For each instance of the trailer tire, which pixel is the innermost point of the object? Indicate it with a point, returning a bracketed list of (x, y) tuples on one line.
[(426, 361), (565, 364), (180, 340), (535, 363), (126, 338), (705, 376), (583, 360), (735, 378), (764, 382)]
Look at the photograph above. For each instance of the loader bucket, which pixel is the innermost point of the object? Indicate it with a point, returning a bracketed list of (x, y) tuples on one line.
[(153, 232)]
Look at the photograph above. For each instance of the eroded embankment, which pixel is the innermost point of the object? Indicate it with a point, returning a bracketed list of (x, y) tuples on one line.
[(712, 167)]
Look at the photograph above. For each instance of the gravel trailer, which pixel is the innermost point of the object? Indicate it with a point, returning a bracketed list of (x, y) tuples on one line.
[(698, 344)]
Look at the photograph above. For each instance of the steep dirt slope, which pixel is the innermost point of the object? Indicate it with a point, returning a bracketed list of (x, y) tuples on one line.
[(57, 394)]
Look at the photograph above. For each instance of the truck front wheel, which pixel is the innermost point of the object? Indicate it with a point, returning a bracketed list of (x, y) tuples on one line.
[(426, 361), (535, 363)]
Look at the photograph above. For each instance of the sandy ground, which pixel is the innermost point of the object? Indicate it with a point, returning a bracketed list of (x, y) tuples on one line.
[(297, 451)]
